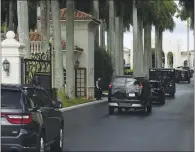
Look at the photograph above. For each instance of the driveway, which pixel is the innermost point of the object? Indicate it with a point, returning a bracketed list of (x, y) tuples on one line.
[(168, 128)]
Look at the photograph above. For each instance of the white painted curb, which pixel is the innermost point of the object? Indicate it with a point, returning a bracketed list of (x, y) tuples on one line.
[(83, 105)]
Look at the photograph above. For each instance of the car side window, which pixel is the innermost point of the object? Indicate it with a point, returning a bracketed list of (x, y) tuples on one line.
[(45, 99)]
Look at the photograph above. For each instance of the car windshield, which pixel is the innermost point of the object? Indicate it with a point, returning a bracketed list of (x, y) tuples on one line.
[(119, 82), (10, 99)]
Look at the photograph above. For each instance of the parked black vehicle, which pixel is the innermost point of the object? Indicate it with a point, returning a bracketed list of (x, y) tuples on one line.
[(187, 68), (157, 91), (127, 92), (183, 75), (166, 76), (30, 120)]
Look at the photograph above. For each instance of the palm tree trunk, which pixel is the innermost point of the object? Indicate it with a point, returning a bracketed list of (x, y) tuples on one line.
[(44, 24), (11, 22), (23, 25), (117, 46), (157, 48), (112, 32), (160, 48), (140, 47), (102, 34), (108, 41), (135, 43), (96, 15), (70, 71), (147, 48), (59, 77), (121, 49)]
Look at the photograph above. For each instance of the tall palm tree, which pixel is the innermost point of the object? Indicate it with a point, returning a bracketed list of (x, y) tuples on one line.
[(96, 15), (59, 77), (111, 32), (23, 25), (45, 14), (70, 71), (163, 21), (11, 20)]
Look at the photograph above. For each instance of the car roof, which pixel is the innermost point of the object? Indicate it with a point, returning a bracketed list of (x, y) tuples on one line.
[(18, 86)]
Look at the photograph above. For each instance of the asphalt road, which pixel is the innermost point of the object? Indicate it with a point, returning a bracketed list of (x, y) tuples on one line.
[(168, 128)]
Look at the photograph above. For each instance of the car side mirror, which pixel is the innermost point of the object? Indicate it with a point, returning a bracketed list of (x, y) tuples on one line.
[(58, 104)]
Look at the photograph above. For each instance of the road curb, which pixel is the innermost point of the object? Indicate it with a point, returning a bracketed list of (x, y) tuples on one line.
[(83, 105)]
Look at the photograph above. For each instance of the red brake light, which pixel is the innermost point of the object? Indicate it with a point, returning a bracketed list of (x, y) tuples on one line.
[(141, 85), (17, 118), (110, 85)]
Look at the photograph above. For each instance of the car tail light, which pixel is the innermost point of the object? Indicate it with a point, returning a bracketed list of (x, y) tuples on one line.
[(17, 118), (141, 85), (110, 85)]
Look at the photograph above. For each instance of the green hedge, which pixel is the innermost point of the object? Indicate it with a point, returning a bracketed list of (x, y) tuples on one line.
[(103, 67)]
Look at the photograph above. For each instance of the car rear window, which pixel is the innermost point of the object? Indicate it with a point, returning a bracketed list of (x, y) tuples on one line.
[(118, 82), (154, 85), (10, 99)]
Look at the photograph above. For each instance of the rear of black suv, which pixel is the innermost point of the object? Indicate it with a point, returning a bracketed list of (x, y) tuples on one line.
[(129, 93), (18, 130), (30, 122)]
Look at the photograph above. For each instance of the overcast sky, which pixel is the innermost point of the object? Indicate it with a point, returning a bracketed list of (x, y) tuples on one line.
[(169, 39)]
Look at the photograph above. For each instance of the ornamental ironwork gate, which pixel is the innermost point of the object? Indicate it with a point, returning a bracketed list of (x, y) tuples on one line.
[(37, 70)]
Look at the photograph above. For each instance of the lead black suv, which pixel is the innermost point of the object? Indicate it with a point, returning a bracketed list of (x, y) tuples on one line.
[(126, 92), (30, 121), (183, 75)]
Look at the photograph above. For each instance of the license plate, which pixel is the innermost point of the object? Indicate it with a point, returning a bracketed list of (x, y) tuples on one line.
[(125, 104), (131, 94)]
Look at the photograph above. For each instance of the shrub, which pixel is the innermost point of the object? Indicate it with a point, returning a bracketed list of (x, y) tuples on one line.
[(103, 67)]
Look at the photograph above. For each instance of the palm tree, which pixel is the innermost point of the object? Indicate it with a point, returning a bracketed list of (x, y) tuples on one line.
[(45, 19), (11, 21), (59, 77), (96, 15), (70, 71), (163, 21), (111, 32), (23, 25)]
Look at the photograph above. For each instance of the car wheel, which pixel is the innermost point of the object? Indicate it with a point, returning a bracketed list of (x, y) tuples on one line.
[(172, 95), (120, 110), (57, 146), (41, 144), (162, 100), (189, 81), (111, 110), (148, 109)]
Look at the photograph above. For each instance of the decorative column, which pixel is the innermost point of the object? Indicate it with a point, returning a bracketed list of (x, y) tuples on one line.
[(12, 52)]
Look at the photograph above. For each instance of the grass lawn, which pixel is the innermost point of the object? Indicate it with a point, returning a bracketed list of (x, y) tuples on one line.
[(76, 101), (105, 91)]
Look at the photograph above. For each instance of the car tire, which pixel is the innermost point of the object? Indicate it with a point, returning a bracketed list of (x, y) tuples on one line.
[(172, 95), (111, 110), (120, 110), (57, 146), (41, 144), (149, 109), (189, 81), (162, 100)]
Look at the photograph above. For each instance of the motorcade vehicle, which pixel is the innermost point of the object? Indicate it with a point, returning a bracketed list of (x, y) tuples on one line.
[(157, 91), (128, 92), (167, 78), (182, 75), (187, 68), (30, 120)]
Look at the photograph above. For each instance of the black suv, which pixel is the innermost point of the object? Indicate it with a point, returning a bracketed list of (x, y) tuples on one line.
[(157, 91), (183, 75), (126, 92), (30, 121)]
